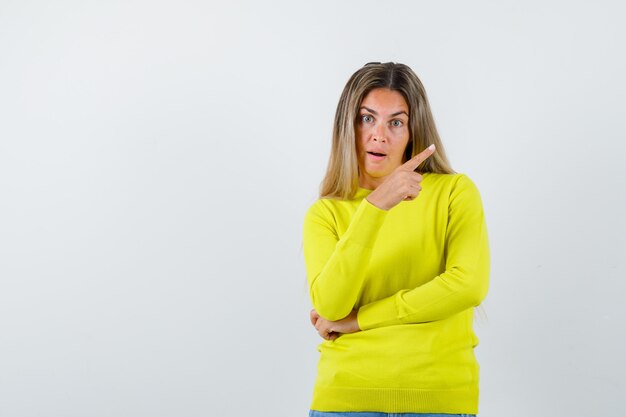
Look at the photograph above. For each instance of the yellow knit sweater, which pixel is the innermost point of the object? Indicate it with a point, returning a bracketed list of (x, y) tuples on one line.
[(415, 273)]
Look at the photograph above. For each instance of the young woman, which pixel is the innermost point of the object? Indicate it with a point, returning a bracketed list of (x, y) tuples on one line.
[(397, 257)]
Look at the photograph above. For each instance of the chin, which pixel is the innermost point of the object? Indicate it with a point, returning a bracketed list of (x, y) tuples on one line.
[(377, 174)]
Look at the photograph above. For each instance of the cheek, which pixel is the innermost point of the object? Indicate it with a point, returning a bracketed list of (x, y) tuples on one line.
[(360, 139), (402, 133), (357, 141), (402, 140), (365, 130)]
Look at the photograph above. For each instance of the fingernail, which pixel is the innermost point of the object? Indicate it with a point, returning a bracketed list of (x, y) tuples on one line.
[(431, 147)]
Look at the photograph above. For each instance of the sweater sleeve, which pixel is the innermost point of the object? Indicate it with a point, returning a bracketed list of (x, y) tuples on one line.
[(336, 265), (464, 282)]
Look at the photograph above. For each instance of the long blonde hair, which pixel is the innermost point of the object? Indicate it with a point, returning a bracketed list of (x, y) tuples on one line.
[(342, 174)]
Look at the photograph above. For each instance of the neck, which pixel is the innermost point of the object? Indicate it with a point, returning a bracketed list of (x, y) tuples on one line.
[(370, 183)]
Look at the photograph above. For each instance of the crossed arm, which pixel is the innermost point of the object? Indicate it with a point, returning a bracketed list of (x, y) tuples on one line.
[(336, 273)]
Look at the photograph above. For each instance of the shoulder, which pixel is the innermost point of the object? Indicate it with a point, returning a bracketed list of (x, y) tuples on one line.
[(450, 181), (332, 212), (322, 211), (464, 193), (321, 206), (457, 189)]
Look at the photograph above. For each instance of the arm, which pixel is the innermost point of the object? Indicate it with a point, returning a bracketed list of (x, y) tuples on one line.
[(335, 265), (464, 282)]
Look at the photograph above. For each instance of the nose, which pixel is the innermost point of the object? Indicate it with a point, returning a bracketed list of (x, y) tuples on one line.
[(378, 134)]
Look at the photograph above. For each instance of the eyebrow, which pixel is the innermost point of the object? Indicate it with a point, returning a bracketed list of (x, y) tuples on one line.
[(392, 115)]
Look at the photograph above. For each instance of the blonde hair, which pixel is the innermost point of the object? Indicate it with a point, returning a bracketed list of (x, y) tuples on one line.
[(342, 174)]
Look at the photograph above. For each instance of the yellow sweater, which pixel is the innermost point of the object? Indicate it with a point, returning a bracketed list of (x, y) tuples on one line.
[(415, 273)]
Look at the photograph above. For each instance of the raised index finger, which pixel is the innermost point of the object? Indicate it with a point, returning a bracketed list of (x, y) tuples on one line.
[(414, 162)]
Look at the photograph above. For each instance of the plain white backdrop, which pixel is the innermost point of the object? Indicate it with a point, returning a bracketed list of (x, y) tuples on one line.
[(157, 159)]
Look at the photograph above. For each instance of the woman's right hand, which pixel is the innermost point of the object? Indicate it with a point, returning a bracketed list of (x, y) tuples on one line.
[(330, 330), (402, 184)]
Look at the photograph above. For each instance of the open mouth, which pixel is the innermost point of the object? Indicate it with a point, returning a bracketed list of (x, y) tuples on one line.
[(377, 154)]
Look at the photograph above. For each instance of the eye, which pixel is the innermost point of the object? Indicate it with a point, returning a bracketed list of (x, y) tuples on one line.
[(397, 123), (366, 118)]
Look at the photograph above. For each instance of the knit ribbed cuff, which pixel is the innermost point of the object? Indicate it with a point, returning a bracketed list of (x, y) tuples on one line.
[(379, 313)]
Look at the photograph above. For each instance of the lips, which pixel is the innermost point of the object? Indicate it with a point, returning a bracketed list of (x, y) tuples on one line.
[(376, 157)]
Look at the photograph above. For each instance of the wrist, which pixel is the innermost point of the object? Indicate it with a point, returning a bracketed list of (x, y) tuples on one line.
[(374, 201), (355, 323)]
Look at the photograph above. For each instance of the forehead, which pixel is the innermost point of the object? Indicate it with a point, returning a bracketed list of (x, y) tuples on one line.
[(385, 100)]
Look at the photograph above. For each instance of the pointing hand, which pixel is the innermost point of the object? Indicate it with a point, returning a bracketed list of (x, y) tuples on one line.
[(403, 184)]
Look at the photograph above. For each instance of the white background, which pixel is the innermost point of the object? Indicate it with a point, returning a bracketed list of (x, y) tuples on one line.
[(157, 158)]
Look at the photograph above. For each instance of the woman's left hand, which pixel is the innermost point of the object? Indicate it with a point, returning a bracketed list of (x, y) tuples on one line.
[(330, 330)]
